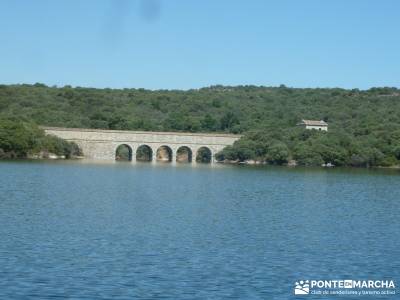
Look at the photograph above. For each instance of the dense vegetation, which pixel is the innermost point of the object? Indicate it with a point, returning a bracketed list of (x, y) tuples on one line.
[(22, 140), (364, 126)]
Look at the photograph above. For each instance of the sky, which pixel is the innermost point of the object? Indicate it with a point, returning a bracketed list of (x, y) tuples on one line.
[(177, 44)]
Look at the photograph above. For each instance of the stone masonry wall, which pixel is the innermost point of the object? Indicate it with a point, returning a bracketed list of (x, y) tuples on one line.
[(102, 144)]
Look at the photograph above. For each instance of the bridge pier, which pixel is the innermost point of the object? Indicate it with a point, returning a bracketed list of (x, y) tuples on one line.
[(173, 156), (154, 157), (133, 156)]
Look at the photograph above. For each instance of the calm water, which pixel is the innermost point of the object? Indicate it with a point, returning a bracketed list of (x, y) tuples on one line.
[(86, 231)]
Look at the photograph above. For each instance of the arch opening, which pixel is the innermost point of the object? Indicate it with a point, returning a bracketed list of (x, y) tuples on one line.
[(164, 154), (144, 153), (123, 153), (204, 155), (184, 155)]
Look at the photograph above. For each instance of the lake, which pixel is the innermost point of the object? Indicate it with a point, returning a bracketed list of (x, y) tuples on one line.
[(120, 231)]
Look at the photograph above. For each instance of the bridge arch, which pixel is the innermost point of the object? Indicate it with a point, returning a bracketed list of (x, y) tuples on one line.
[(184, 154), (144, 153), (123, 152), (164, 154), (204, 155)]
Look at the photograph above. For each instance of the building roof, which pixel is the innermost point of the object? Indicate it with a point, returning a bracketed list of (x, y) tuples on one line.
[(314, 123)]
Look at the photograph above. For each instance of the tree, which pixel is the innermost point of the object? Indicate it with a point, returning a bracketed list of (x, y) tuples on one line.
[(208, 123), (18, 139), (228, 120), (278, 153)]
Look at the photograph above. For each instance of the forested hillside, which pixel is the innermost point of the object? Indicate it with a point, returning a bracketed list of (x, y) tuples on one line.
[(364, 126)]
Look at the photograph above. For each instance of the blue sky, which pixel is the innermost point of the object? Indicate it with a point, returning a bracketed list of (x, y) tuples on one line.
[(174, 44)]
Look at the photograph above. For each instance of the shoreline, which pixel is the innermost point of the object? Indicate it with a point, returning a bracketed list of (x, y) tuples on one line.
[(227, 163)]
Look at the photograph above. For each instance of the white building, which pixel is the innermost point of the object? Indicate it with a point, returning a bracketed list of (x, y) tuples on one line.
[(311, 124)]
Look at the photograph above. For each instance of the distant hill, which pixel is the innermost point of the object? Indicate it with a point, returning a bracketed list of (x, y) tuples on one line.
[(358, 120)]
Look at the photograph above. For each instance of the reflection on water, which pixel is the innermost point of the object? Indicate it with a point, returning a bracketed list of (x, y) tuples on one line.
[(140, 231)]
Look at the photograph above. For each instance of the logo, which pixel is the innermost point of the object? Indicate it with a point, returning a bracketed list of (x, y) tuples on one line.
[(345, 287), (302, 287)]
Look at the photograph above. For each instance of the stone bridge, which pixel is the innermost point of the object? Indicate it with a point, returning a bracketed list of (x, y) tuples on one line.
[(145, 145)]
